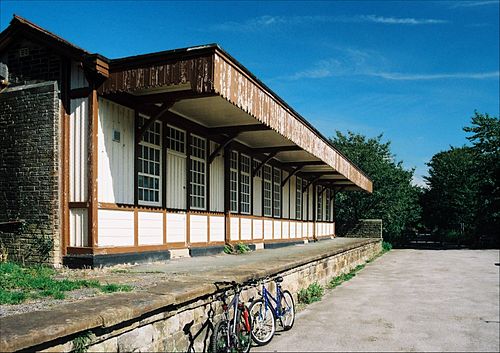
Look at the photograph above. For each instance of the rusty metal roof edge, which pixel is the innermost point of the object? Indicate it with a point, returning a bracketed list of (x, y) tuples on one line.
[(289, 108)]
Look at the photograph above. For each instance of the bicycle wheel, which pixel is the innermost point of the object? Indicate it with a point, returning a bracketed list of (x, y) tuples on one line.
[(244, 331), (218, 341), (287, 310), (263, 322)]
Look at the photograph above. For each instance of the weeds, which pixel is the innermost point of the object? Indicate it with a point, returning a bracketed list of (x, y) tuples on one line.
[(18, 284), (386, 246), (81, 342), (239, 248), (311, 294)]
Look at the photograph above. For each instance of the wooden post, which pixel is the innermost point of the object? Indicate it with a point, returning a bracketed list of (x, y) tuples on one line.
[(92, 165)]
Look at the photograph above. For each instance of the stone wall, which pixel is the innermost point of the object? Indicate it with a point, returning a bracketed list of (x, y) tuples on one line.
[(364, 228), (163, 331), (29, 173)]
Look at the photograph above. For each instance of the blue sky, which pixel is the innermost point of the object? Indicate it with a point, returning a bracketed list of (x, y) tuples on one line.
[(413, 70)]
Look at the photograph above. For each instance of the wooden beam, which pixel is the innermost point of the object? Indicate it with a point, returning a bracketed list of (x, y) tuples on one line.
[(168, 96), (221, 146), (236, 129), (326, 172), (290, 175), (277, 149), (259, 167), (164, 108), (310, 182)]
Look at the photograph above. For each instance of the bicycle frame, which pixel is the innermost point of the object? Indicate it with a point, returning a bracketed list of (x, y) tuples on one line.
[(235, 304)]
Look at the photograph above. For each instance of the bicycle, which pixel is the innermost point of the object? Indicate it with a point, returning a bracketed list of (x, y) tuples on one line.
[(232, 334), (268, 309), (206, 325)]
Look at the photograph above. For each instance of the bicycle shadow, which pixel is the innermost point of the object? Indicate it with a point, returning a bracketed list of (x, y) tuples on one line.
[(207, 326)]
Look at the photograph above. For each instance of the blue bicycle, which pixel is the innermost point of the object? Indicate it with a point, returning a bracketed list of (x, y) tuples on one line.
[(267, 310)]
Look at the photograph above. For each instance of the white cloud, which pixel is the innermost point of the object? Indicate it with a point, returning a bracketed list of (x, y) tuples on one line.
[(439, 76), (267, 22), (400, 20), (474, 3)]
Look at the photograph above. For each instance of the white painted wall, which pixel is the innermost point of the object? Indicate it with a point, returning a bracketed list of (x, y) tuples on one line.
[(285, 229), (293, 229), (277, 229), (268, 229), (78, 227), (257, 196), (116, 159), (150, 228), (234, 233), (176, 227), (257, 228), (198, 225), (216, 182), (115, 228), (78, 150), (216, 228), (246, 228)]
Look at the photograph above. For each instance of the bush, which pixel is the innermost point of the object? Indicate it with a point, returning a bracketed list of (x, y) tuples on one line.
[(386, 246), (311, 294)]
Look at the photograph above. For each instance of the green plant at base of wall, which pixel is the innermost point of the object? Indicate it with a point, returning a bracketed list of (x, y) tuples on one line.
[(311, 294), (386, 246), (80, 343), (239, 248)]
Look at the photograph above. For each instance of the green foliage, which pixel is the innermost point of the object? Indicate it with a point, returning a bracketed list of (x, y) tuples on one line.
[(311, 294), (111, 288), (462, 204), (239, 248), (228, 249), (18, 284), (386, 246), (80, 343), (336, 281), (242, 248), (394, 198)]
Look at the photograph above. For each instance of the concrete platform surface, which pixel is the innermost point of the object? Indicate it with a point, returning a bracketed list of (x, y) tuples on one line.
[(407, 300), (171, 283)]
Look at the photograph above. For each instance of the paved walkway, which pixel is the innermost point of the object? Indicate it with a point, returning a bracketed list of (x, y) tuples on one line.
[(407, 300)]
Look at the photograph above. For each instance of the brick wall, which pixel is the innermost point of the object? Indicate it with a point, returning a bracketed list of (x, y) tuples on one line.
[(29, 173), (31, 62), (364, 228)]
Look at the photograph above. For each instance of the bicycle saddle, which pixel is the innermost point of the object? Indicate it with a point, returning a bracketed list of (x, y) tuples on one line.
[(278, 279), (187, 327)]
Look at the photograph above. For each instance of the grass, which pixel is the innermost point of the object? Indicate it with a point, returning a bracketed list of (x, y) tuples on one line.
[(239, 248), (18, 284)]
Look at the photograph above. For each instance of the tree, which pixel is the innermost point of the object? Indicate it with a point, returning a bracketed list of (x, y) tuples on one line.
[(463, 200), (394, 198), (451, 202)]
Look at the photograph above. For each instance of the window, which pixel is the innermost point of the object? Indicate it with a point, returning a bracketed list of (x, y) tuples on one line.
[(198, 172), (255, 164), (267, 190), (149, 169), (245, 184), (233, 182), (319, 207), (176, 140), (327, 207), (298, 199), (277, 192)]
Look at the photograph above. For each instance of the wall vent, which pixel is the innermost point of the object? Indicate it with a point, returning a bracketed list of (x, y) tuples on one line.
[(24, 52), (116, 135)]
